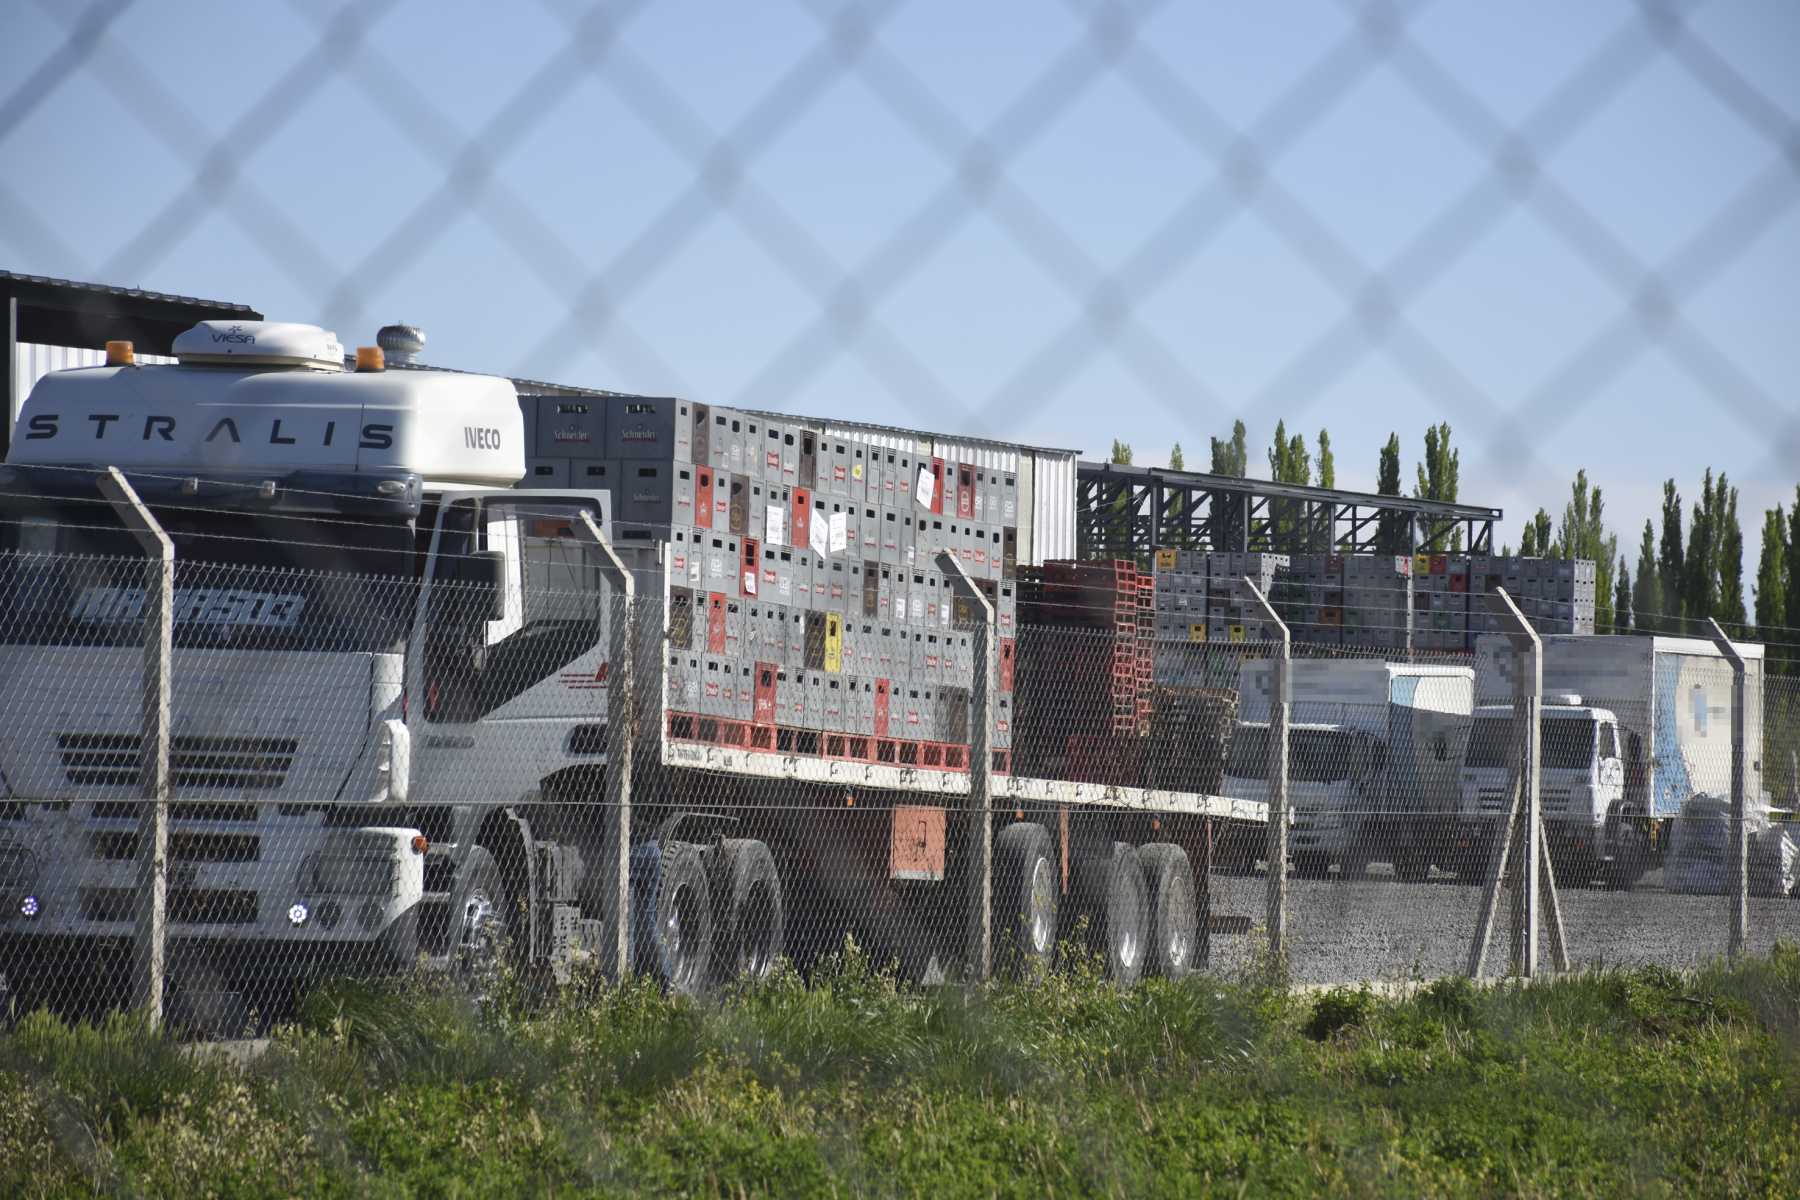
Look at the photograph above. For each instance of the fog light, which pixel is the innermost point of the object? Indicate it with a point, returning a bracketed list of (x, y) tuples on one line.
[(28, 907), (297, 914)]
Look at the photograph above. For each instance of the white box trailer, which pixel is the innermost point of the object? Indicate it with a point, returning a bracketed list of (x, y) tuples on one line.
[(1634, 728), (1374, 750)]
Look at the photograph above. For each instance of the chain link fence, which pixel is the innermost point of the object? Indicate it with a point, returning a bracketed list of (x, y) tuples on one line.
[(481, 757)]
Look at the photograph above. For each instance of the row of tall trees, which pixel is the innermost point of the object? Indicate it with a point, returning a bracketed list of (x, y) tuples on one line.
[(1687, 576)]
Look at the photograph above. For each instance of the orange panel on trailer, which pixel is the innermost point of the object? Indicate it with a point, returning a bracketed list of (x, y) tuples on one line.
[(800, 521), (715, 622), (703, 497), (764, 711), (916, 843)]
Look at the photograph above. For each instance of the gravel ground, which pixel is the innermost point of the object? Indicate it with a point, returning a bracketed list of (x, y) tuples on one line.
[(1378, 929)]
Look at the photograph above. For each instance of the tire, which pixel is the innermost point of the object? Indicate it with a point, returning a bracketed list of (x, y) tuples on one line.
[(1411, 866), (478, 929), (1629, 843), (680, 921), (1114, 898), (1311, 865), (750, 921), (1026, 890), (1174, 910)]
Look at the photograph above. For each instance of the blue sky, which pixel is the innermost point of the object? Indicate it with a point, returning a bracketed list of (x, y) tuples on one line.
[(1162, 236)]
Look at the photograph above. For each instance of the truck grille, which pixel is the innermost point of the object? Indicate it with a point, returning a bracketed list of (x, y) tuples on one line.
[(122, 846), (186, 906), (195, 761)]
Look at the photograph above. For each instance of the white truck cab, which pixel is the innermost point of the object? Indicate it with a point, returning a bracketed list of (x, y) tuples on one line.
[(335, 769), (1582, 780)]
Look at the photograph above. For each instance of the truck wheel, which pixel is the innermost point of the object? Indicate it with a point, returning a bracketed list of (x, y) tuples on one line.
[(1174, 909), (1025, 898), (1310, 865), (1113, 894), (1411, 866), (1629, 842), (752, 918), (478, 924), (681, 921)]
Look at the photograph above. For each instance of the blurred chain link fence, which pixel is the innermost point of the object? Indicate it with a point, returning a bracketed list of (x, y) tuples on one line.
[(977, 161), (798, 803)]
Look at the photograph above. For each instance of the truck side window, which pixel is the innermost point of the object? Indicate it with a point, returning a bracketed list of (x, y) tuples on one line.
[(1609, 742)]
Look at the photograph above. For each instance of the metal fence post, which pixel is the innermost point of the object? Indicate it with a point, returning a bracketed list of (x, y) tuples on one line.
[(1522, 841), (1279, 691), (615, 863), (1737, 874), (979, 935), (150, 935)]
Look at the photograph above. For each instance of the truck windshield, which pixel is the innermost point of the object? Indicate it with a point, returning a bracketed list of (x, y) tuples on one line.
[(1566, 744), (71, 575), (1314, 755)]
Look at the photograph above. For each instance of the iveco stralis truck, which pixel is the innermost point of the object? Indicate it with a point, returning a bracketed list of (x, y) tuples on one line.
[(1373, 751), (1632, 729), (390, 730), (385, 659)]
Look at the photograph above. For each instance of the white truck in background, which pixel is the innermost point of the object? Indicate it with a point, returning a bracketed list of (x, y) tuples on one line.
[(1373, 754), (1632, 730)]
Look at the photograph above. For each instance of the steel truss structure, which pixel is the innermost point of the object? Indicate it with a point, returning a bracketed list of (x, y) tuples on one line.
[(1130, 512)]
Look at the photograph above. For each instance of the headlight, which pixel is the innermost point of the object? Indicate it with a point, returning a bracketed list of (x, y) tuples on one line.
[(349, 870)]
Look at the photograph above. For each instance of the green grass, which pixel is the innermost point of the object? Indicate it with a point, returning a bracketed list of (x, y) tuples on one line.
[(1628, 1082)]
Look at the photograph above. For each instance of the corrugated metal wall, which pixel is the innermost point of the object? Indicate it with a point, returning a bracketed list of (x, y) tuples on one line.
[(35, 360), (1052, 505)]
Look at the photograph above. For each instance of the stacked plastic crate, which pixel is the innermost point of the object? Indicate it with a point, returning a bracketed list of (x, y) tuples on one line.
[(1085, 670), (808, 613)]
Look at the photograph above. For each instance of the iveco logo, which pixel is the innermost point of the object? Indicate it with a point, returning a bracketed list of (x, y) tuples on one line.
[(236, 335), (477, 438)]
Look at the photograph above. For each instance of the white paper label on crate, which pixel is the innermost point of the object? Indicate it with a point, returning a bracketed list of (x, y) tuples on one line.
[(925, 491), (899, 608), (750, 581), (694, 568), (840, 532), (775, 526), (944, 615), (785, 585), (715, 566), (818, 535)]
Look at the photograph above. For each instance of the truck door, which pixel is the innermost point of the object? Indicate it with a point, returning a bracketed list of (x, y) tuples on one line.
[(1609, 768), (516, 612)]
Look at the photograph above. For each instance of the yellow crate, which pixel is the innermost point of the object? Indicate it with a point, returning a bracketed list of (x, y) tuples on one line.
[(1236, 632), (1196, 633), (834, 642), (1165, 560)]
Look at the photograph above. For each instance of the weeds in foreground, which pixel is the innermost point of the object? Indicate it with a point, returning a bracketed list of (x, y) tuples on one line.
[(1640, 1080)]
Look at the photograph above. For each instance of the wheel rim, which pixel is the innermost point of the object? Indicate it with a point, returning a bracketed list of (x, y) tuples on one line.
[(1127, 943), (757, 933), (480, 921), (679, 917), (1041, 913)]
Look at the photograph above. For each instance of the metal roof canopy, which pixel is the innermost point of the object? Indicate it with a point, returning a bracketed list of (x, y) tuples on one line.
[(1132, 511), (64, 312)]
